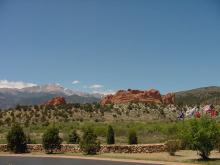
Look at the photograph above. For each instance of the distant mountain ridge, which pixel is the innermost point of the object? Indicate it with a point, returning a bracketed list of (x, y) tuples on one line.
[(204, 95), (52, 88), (40, 94), (9, 97)]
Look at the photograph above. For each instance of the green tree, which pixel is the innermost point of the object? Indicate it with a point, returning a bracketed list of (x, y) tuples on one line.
[(201, 135), (110, 135), (132, 137), (74, 137), (16, 139), (51, 140), (89, 144)]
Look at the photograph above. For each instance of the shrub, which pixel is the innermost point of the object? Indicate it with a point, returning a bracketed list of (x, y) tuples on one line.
[(201, 135), (16, 139), (110, 135), (51, 140), (173, 146), (132, 137), (74, 137), (89, 144), (218, 147), (29, 140)]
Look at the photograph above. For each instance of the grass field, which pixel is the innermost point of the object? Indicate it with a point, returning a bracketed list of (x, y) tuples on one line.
[(148, 132)]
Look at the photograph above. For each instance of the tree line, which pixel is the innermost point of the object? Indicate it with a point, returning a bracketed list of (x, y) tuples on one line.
[(17, 140)]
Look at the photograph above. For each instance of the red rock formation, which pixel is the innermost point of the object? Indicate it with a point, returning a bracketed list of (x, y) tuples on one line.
[(168, 98), (150, 96), (56, 101)]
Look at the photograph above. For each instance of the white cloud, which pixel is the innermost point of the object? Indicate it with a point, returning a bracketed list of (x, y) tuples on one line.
[(104, 92), (96, 86), (15, 84), (76, 82), (57, 84)]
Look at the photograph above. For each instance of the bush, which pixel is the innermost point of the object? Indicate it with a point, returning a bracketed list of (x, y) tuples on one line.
[(74, 137), (173, 146), (29, 140), (132, 137), (51, 140), (110, 135), (201, 135), (16, 140), (89, 144), (218, 147)]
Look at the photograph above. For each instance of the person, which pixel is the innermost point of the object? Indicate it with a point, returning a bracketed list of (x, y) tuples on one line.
[(213, 113), (181, 115), (197, 114)]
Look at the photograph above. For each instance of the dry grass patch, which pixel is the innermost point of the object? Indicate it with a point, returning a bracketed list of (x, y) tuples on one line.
[(187, 156), (183, 156)]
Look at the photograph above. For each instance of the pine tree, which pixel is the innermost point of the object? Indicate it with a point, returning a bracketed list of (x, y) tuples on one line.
[(110, 135), (132, 137), (89, 144), (16, 139), (51, 140)]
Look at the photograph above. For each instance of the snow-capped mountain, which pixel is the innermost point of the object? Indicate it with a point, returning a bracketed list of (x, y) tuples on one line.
[(10, 97)]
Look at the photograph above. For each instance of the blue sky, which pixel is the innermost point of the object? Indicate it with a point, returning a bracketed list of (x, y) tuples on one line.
[(169, 45)]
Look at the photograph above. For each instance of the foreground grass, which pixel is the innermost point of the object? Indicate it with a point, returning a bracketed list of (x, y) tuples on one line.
[(184, 156)]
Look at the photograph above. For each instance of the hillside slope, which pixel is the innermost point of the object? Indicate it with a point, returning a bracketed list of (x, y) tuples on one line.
[(205, 95)]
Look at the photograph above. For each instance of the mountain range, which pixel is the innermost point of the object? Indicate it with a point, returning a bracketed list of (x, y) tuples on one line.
[(9, 97)]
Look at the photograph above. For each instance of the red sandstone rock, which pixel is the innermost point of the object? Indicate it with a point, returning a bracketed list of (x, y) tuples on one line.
[(56, 101), (150, 96), (169, 98)]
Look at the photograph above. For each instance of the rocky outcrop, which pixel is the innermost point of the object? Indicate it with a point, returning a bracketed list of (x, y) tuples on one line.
[(168, 98), (73, 148), (56, 101), (148, 96)]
